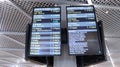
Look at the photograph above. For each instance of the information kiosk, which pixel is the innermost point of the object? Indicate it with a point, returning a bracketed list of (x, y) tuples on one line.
[(80, 43)]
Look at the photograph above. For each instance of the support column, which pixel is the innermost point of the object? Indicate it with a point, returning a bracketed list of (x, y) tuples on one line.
[(65, 60)]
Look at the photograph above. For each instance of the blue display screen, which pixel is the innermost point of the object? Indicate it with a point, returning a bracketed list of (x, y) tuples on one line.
[(83, 36), (46, 32)]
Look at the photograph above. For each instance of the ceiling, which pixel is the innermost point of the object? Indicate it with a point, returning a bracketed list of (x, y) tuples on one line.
[(16, 14)]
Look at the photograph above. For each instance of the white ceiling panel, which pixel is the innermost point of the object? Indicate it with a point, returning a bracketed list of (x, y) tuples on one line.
[(104, 64), (80, 1), (107, 2), (111, 21), (11, 19), (117, 63), (8, 43), (116, 57), (6, 55), (20, 38), (28, 6), (17, 53), (113, 44)]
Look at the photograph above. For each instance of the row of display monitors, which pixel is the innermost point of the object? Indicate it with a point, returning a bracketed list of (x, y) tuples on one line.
[(83, 37)]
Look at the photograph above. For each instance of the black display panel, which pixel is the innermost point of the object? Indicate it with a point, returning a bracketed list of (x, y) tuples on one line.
[(46, 32), (83, 37)]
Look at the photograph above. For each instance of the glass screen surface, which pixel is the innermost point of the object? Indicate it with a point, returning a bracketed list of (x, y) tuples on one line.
[(46, 32), (83, 36)]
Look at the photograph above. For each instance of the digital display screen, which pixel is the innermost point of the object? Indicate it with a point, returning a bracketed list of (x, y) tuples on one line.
[(46, 32), (83, 36)]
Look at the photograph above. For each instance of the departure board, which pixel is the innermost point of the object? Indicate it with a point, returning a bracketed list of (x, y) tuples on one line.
[(46, 32), (83, 38)]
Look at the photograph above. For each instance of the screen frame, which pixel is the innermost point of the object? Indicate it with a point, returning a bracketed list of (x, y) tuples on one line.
[(98, 32), (29, 55)]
